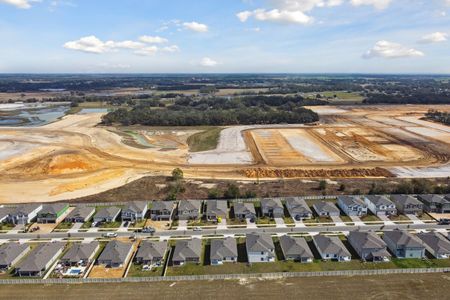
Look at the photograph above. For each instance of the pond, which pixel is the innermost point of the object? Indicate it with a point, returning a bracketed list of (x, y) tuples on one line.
[(31, 114)]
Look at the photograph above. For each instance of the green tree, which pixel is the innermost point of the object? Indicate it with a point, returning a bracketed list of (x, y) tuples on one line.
[(232, 192), (177, 174), (323, 185)]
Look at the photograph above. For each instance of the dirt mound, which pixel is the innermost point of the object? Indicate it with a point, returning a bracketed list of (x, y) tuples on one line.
[(316, 173)]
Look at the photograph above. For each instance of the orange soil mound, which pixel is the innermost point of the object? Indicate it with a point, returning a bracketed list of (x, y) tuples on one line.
[(316, 173)]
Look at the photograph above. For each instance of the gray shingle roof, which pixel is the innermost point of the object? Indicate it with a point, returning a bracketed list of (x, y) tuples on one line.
[(368, 241), (259, 242), (351, 200), (81, 212), (39, 257), (107, 212), (244, 208), (189, 205), (148, 250), (53, 208), (405, 199), (80, 251), (191, 249), (325, 206), (162, 205), (5, 211), (221, 248), (404, 239), (330, 245), (435, 241), (379, 200), (297, 206), (24, 209), (271, 203), (217, 207), (10, 251), (116, 252), (136, 206), (295, 246)]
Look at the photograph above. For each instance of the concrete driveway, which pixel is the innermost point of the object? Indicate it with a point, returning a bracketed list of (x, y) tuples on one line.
[(250, 224), (337, 220), (386, 220), (222, 224), (182, 225), (279, 222), (415, 219), (75, 227), (357, 220)]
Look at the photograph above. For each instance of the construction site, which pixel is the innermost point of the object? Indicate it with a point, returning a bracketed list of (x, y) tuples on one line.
[(75, 156)]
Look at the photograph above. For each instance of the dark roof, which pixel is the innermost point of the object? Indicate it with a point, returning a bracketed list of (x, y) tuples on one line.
[(431, 198), (81, 212), (403, 239), (379, 200), (365, 240), (216, 207), (80, 251), (10, 251), (405, 199), (116, 252), (162, 205), (108, 212), (53, 208), (5, 211), (325, 206), (435, 241), (351, 200), (39, 257), (221, 248), (295, 246), (297, 205), (331, 245), (148, 250), (189, 205), (25, 209), (259, 242), (187, 249), (136, 206), (244, 208), (271, 203)]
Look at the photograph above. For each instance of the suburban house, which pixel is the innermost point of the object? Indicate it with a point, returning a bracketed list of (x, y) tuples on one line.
[(435, 203), (298, 209), (80, 254), (260, 247), (244, 210), (369, 246), (11, 253), (39, 259), (4, 214), (151, 253), (24, 214), (352, 206), (404, 245), (436, 244), (223, 250), (187, 252), (135, 211), (115, 254), (272, 208), (50, 213), (161, 210), (216, 209), (107, 214), (80, 214), (331, 248), (380, 205), (296, 249), (326, 209), (407, 204), (189, 209)]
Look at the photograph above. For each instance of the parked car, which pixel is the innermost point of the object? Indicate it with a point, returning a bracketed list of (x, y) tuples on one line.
[(110, 235), (125, 224), (197, 228), (444, 221), (149, 230)]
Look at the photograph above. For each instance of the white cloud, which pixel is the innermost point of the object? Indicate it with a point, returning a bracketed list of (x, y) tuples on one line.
[(90, 44), (153, 39), (170, 49), (435, 37), (276, 15), (124, 45), (194, 26), (387, 49), (147, 51), (304, 5), (22, 4), (378, 4), (208, 62)]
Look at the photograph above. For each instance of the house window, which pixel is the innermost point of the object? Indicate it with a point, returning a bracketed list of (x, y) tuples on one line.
[(262, 258), (262, 253)]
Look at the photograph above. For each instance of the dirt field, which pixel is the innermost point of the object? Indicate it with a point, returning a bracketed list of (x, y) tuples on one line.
[(74, 157), (420, 286)]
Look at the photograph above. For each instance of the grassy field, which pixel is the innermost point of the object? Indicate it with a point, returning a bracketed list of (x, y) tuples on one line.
[(397, 286), (205, 140), (136, 271)]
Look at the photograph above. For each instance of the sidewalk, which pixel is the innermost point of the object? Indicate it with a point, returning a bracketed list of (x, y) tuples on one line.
[(75, 227), (337, 221), (415, 219), (280, 223), (357, 220), (222, 224), (386, 220), (299, 223), (182, 225)]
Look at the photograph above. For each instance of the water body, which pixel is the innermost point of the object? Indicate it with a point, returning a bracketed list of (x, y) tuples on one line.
[(32, 114), (86, 111)]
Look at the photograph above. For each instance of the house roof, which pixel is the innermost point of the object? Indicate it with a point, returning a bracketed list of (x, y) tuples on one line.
[(365, 240), (189, 205), (244, 208), (39, 257), (405, 199), (216, 207), (80, 251), (379, 200), (295, 246), (108, 212), (162, 205), (297, 205), (259, 242), (271, 203), (187, 249), (431, 198), (137, 206), (116, 252), (10, 251), (5, 211), (81, 212), (403, 239), (221, 248), (330, 245), (25, 209), (351, 200), (435, 241), (148, 250), (53, 208), (325, 206)]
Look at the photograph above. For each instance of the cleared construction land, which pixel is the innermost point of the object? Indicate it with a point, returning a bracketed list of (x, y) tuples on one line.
[(75, 157)]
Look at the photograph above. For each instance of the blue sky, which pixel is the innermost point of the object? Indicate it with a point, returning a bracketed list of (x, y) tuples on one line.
[(157, 36)]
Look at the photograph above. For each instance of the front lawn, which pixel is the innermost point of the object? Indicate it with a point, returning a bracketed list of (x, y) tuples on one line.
[(265, 221), (111, 225), (64, 225)]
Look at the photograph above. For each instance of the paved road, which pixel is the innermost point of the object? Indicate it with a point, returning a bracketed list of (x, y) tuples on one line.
[(272, 230)]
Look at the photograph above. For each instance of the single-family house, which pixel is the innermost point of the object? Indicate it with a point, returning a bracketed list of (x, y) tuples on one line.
[(107, 214), (162, 210), (435, 203), (40, 259), (135, 211), (189, 209), (260, 247), (326, 209), (403, 244), (50, 213), (296, 249), (352, 206), (369, 246), (4, 214), (407, 204), (80, 214), (223, 250), (216, 209), (116, 254), (151, 253), (11, 253), (80, 254), (331, 248), (245, 210), (380, 205), (24, 214), (272, 208), (436, 244), (298, 209), (187, 251)]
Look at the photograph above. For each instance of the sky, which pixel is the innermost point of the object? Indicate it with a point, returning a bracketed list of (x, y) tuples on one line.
[(225, 36)]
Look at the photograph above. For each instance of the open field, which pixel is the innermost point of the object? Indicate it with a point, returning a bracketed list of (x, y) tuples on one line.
[(74, 157), (398, 286)]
